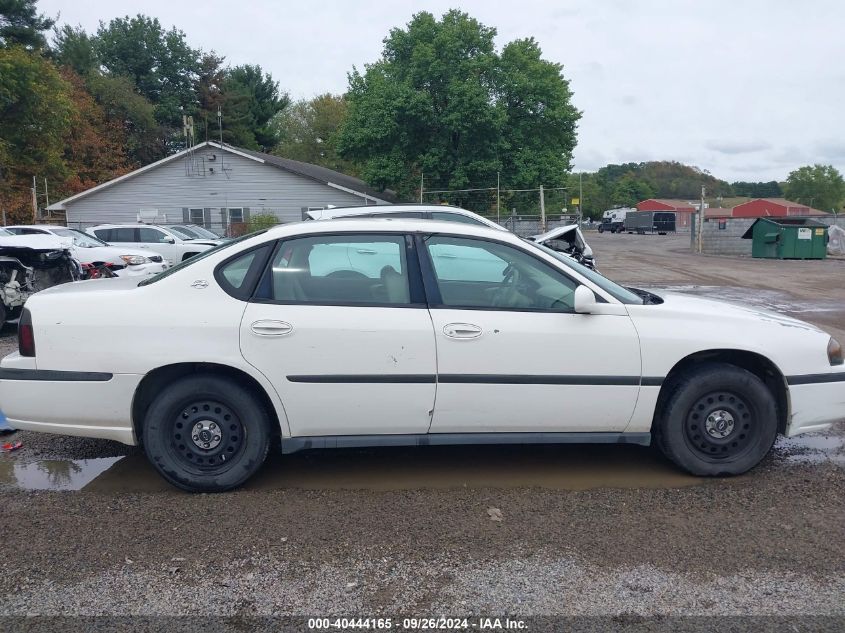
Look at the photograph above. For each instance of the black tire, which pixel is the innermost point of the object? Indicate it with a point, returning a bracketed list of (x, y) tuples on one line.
[(600, 229), (2, 316), (199, 408), (719, 420)]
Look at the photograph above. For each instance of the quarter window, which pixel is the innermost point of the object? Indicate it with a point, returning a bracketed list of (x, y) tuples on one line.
[(345, 269), (478, 274)]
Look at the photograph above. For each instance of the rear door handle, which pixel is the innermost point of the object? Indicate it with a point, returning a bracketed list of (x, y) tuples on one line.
[(462, 330), (268, 327)]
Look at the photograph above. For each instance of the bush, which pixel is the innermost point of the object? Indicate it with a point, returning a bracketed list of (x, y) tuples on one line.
[(262, 221)]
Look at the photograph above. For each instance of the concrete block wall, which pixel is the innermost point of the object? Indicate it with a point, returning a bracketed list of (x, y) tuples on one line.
[(728, 241)]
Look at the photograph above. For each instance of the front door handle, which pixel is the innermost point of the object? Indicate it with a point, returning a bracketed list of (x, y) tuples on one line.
[(462, 330), (268, 327)]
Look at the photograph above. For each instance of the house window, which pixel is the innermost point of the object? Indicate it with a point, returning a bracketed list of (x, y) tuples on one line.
[(236, 216), (197, 217)]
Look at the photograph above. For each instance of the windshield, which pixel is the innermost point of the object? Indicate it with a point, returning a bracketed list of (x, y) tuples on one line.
[(79, 238), (5, 232), (182, 232), (622, 294), (193, 260), (201, 231)]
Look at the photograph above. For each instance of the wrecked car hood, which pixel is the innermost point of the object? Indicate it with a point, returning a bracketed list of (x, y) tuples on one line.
[(555, 234), (34, 242)]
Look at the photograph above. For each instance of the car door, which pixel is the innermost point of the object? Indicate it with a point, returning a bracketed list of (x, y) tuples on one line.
[(157, 241), (512, 354), (345, 336)]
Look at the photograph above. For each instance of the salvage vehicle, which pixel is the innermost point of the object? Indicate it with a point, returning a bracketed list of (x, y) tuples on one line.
[(29, 264), (97, 254), (613, 220), (570, 241), (432, 333), (172, 245)]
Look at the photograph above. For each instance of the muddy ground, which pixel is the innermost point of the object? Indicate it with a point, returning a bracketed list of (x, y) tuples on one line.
[(88, 528)]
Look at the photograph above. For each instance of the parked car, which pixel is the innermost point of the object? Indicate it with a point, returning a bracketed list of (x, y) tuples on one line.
[(567, 239), (172, 245), (291, 333), (406, 211), (90, 250), (195, 232), (29, 264)]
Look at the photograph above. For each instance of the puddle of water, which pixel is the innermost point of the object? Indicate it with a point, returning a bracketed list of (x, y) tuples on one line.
[(813, 449), (568, 467), (54, 474)]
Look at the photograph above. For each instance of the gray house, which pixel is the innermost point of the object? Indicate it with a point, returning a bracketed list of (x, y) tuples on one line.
[(217, 186)]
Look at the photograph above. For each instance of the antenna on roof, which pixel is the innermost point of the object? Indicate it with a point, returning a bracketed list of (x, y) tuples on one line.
[(220, 129)]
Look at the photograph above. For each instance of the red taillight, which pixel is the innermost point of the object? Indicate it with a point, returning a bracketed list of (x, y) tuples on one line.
[(26, 337)]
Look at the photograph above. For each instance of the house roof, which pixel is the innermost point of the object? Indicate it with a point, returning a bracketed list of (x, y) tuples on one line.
[(324, 175)]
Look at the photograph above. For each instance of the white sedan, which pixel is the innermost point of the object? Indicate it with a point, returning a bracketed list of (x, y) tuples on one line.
[(401, 332)]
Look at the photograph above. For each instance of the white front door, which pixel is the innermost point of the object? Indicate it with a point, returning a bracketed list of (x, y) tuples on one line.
[(512, 354), (344, 336), (155, 240)]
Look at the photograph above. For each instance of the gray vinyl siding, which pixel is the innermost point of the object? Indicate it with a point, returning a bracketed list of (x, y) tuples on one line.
[(185, 183)]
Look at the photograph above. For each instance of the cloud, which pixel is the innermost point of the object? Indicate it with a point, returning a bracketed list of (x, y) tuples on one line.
[(737, 147)]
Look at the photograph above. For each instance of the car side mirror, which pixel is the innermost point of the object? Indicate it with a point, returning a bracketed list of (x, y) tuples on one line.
[(585, 300), (169, 240)]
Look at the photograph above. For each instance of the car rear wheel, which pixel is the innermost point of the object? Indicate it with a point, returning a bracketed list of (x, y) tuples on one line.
[(719, 420), (206, 434)]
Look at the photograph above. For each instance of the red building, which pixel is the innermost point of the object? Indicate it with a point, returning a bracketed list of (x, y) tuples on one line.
[(775, 207), (683, 209)]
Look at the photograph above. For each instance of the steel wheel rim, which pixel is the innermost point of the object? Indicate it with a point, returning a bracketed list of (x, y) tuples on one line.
[(206, 435), (720, 425)]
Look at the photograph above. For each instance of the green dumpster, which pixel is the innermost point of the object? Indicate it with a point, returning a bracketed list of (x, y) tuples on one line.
[(787, 238)]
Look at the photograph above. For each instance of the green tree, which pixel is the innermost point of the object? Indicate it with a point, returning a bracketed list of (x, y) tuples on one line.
[(73, 47), (254, 99), (442, 102), (819, 186), (309, 130), (35, 114), (22, 25), (160, 63), (629, 190), (122, 105)]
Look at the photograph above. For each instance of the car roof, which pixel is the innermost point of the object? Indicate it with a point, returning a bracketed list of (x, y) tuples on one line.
[(392, 225), (37, 226)]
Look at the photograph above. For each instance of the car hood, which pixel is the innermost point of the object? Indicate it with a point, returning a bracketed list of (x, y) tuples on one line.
[(112, 253), (554, 234), (205, 242), (36, 242), (721, 312)]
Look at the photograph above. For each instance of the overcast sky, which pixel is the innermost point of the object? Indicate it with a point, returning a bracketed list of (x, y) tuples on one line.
[(745, 89)]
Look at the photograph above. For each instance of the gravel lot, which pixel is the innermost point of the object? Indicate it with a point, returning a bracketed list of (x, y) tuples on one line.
[(583, 530)]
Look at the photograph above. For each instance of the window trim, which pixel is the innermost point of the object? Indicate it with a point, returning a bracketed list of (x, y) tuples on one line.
[(432, 289), (416, 286)]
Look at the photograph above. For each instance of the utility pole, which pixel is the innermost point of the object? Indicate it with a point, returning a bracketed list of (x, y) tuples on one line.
[(580, 199), (498, 199), (422, 180), (46, 193), (700, 228), (542, 211), (34, 202)]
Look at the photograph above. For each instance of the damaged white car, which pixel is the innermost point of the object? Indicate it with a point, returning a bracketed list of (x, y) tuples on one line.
[(29, 264)]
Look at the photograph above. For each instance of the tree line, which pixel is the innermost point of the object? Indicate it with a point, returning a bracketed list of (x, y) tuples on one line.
[(442, 108)]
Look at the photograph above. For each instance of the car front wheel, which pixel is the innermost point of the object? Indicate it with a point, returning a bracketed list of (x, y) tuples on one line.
[(206, 434), (719, 420)]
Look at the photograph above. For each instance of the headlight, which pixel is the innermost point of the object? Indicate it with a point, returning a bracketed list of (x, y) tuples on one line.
[(134, 260), (834, 352)]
